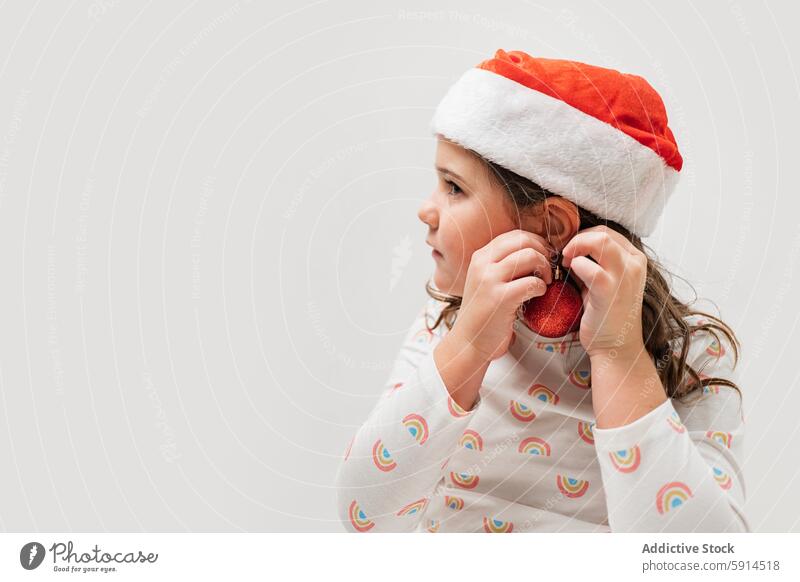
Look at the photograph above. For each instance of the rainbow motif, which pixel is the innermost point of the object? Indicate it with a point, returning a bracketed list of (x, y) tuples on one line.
[(413, 507), (585, 431), (571, 487), (417, 427), (381, 457), (543, 393), (358, 519), (535, 446), (626, 460), (722, 478), (710, 389), (521, 412), (553, 347), (671, 496), (455, 409), (581, 378), (349, 446), (674, 421), (454, 503), (433, 527), (464, 480), (723, 438), (715, 349), (423, 336), (471, 440), (497, 526)]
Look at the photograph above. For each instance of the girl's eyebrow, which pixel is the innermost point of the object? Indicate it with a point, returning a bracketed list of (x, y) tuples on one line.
[(452, 173)]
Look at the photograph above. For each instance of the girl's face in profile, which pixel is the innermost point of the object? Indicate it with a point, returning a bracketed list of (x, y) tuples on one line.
[(464, 212)]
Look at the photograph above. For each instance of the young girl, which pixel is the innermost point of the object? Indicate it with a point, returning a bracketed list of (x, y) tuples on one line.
[(633, 421)]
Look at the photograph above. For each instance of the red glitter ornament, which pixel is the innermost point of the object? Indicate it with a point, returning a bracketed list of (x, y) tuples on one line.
[(557, 312)]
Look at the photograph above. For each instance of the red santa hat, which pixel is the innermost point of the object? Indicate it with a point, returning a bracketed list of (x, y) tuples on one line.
[(595, 136)]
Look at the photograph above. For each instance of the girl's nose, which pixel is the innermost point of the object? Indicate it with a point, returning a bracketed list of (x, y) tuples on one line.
[(428, 214)]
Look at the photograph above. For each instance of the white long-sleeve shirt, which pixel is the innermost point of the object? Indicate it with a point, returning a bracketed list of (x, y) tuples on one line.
[(527, 457)]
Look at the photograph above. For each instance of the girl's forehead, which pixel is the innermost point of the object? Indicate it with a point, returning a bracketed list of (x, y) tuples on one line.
[(459, 161), (449, 150)]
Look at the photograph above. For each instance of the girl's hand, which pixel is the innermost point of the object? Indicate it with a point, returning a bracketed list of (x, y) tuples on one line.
[(502, 275), (612, 290)]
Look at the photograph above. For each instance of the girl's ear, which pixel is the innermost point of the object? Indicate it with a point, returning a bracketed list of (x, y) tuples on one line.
[(561, 221)]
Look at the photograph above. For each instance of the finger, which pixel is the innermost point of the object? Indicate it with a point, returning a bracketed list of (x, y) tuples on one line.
[(525, 288), (601, 247), (626, 244), (504, 244), (525, 261), (590, 274)]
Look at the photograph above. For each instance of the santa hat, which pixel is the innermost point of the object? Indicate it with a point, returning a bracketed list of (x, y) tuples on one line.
[(595, 136)]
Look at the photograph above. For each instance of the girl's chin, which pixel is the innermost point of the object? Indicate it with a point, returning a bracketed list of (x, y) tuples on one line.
[(445, 284), (441, 282)]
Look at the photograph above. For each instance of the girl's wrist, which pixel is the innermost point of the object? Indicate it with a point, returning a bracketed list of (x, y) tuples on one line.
[(624, 388), (623, 353), (460, 343), (462, 370)]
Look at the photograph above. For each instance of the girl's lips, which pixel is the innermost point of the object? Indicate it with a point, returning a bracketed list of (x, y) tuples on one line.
[(436, 254)]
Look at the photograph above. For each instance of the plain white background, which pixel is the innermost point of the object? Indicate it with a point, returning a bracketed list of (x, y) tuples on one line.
[(211, 252)]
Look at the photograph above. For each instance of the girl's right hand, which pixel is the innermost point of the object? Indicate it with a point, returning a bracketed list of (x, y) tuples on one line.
[(511, 269)]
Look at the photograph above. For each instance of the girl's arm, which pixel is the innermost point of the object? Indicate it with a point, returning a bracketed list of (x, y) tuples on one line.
[(678, 468), (396, 458)]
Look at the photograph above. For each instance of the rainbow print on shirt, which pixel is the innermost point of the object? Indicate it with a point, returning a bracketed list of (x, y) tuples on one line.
[(723, 438), (454, 503), (433, 527), (455, 409), (381, 457), (626, 460), (417, 427), (520, 411), (671, 496), (413, 507), (581, 378), (560, 346), (543, 394), (674, 421), (535, 446), (358, 519), (423, 336), (471, 440), (553, 347), (464, 480), (497, 526), (570, 487), (722, 478), (585, 431), (715, 349)]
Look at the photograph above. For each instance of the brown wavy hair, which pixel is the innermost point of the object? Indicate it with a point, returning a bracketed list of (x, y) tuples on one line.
[(662, 313)]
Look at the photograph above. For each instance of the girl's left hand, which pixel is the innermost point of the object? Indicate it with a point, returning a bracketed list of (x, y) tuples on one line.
[(612, 290)]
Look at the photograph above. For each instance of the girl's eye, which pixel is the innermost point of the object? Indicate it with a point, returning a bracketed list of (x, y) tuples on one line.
[(454, 188)]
